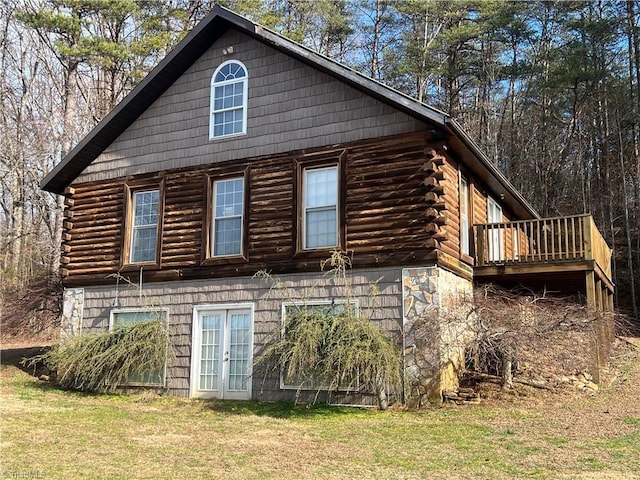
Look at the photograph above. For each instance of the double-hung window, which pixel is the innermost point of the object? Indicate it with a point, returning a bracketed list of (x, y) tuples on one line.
[(320, 207), (144, 231), (228, 207), (144, 216), (228, 100)]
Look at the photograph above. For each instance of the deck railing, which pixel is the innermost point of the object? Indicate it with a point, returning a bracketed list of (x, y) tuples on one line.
[(541, 241)]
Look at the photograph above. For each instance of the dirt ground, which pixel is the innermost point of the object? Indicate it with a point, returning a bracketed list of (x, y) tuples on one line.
[(572, 413)]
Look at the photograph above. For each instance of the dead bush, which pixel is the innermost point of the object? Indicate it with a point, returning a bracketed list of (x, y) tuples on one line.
[(539, 338)]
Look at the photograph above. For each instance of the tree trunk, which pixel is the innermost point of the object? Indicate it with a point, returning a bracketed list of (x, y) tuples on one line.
[(381, 393), (508, 360), (68, 118), (627, 223), (633, 45), (375, 42)]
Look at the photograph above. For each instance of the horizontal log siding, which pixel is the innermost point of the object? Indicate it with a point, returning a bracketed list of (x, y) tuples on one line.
[(451, 187), (385, 197), (183, 216), (384, 211), (271, 212), (92, 233), (180, 298), (480, 213)]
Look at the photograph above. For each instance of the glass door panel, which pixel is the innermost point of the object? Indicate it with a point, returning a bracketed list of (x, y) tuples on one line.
[(210, 351), (496, 234), (239, 352)]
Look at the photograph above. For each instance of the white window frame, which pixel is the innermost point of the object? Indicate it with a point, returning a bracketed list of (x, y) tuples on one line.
[(164, 315), (464, 216), (306, 210), (314, 303), (133, 227), (496, 235), (214, 217), (213, 111)]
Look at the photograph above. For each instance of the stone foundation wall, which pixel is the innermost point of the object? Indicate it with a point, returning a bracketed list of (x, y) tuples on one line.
[(438, 324)]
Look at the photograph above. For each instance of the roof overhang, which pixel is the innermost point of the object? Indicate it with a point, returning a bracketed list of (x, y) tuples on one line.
[(483, 168), (142, 96)]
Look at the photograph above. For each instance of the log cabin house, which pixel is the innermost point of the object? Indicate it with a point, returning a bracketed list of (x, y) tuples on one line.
[(244, 151)]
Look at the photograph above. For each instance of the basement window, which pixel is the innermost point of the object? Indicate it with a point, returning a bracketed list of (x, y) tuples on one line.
[(122, 318), (292, 311)]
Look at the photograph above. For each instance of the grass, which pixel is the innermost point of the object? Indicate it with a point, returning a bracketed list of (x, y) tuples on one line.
[(51, 433)]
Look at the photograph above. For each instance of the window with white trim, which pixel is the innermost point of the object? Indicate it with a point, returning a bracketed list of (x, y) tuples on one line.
[(126, 317), (228, 207), (320, 207), (464, 216), (229, 85), (144, 226), (496, 232)]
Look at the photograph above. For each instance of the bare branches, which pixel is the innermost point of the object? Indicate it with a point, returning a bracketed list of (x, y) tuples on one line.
[(538, 337)]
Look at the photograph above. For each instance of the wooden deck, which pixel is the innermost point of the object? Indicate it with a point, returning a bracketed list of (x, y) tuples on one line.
[(565, 254)]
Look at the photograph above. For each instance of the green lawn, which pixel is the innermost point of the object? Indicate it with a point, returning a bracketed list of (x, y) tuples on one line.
[(49, 433)]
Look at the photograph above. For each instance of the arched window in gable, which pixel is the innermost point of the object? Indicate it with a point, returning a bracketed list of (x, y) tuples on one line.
[(228, 100)]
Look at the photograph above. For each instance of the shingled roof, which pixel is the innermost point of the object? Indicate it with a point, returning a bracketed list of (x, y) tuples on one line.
[(202, 37)]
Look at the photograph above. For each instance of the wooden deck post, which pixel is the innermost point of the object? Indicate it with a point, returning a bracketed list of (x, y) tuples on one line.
[(590, 287), (586, 232), (480, 244)]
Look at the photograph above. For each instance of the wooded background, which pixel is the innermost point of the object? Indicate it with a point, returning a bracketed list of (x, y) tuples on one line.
[(549, 89)]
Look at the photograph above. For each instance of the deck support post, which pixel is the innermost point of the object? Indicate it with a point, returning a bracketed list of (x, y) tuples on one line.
[(480, 260), (592, 302), (590, 288)]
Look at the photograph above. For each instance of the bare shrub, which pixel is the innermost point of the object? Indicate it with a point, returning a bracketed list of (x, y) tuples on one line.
[(31, 311), (541, 337)]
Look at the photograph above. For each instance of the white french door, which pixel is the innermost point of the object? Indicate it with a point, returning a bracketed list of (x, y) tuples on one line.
[(496, 234), (222, 352)]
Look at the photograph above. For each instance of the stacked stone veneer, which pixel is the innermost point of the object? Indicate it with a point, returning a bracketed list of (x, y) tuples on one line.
[(438, 323), (72, 310)]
